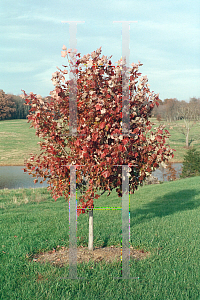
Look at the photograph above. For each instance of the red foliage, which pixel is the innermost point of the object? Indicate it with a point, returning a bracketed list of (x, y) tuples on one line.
[(99, 145)]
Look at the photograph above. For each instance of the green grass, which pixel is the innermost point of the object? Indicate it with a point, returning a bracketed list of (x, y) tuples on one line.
[(164, 219)]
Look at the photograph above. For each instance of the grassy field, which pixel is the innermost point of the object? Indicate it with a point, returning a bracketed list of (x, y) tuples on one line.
[(164, 219), (17, 141)]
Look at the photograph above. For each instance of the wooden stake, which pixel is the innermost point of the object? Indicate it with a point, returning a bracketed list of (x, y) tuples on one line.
[(90, 243)]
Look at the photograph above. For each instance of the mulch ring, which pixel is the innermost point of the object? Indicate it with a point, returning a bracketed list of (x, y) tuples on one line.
[(60, 257)]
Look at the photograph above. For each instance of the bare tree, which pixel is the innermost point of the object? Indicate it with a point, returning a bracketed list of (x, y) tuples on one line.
[(190, 113), (170, 109), (195, 108)]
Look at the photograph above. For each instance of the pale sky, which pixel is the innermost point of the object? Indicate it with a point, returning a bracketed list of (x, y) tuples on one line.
[(166, 39)]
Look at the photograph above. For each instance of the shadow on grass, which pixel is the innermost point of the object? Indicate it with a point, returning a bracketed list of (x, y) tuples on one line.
[(166, 205), (105, 242)]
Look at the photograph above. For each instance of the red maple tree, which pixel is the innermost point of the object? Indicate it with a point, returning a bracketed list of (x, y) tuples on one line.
[(99, 145)]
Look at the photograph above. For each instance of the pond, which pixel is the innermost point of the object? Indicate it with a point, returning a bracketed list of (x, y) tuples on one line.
[(13, 177)]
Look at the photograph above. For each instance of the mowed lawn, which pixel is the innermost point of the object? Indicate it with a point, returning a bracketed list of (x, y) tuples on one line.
[(18, 140), (164, 219)]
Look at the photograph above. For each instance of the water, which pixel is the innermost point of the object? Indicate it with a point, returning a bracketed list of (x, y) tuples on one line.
[(161, 171), (13, 177)]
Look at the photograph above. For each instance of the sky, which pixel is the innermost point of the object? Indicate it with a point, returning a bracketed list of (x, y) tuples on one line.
[(165, 39)]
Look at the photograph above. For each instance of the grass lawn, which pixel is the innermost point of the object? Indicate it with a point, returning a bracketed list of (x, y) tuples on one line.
[(164, 219), (17, 141)]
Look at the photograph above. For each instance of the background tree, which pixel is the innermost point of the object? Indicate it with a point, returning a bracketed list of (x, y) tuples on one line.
[(6, 106), (158, 118), (191, 164), (170, 109), (190, 114), (100, 144), (195, 108), (21, 111)]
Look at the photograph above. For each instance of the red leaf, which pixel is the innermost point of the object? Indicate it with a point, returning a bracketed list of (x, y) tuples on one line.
[(103, 154), (125, 141), (98, 107), (120, 147), (136, 130), (158, 138), (94, 137), (136, 154), (102, 125), (106, 174), (77, 143)]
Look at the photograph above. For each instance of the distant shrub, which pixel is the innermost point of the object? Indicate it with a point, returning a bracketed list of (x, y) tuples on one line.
[(191, 164)]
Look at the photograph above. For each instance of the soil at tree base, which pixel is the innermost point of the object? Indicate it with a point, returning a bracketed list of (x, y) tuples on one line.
[(60, 257)]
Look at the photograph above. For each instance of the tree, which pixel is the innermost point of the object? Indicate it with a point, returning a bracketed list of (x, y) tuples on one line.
[(156, 110), (195, 108), (188, 112), (158, 118), (6, 106), (100, 145), (191, 164), (170, 109), (21, 111)]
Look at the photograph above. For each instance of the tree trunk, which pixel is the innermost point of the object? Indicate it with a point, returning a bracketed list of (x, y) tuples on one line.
[(187, 138), (90, 242)]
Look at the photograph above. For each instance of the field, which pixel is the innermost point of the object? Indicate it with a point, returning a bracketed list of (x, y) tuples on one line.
[(17, 141), (164, 220)]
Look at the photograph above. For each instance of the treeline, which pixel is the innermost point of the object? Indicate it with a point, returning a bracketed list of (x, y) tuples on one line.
[(173, 110), (12, 107)]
